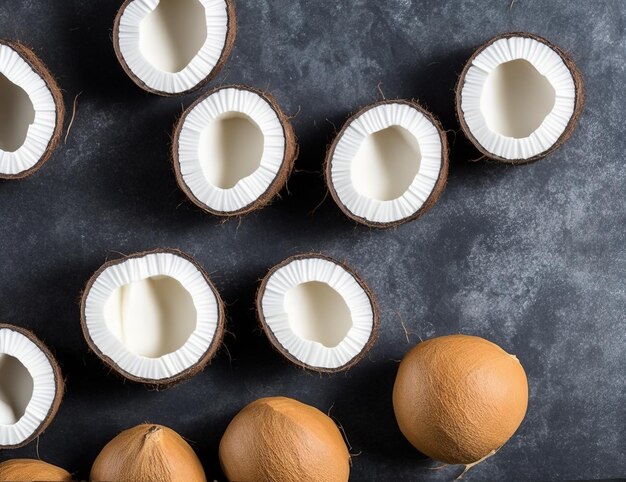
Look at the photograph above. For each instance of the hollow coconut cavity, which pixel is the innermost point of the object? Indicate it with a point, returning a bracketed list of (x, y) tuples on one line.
[(31, 111), (172, 47), (519, 98), (317, 312), (31, 387), (154, 317), (388, 164), (233, 150)]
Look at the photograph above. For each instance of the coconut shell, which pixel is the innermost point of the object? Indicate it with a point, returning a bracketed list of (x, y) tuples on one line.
[(437, 189), (289, 156), (31, 470), (279, 439), (189, 372), (147, 453), (274, 341), (40, 69), (58, 380), (578, 103), (231, 33), (459, 398)]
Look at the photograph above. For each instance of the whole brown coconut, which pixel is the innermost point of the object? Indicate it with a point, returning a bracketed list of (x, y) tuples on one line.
[(31, 470), (147, 453), (459, 398), (279, 439)]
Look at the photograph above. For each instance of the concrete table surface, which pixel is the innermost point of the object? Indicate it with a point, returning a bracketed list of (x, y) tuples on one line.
[(530, 257)]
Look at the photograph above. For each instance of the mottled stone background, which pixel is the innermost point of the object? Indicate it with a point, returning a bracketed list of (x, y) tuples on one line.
[(531, 257)]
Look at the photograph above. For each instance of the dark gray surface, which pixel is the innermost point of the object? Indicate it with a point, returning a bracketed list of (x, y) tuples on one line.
[(530, 257)]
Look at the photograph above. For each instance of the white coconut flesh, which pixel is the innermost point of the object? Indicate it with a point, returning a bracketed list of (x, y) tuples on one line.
[(154, 316), (386, 163), (173, 45), (27, 114), (28, 387), (230, 149), (518, 98), (318, 312)]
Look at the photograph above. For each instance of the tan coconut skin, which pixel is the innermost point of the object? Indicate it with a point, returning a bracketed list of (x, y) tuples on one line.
[(279, 439), (30, 470), (459, 398), (147, 453)]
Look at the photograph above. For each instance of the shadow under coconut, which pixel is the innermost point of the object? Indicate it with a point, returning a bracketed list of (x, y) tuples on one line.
[(365, 412), (132, 181), (306, 195), (245, 345), (434, 88), (87, 33), (55, 307)]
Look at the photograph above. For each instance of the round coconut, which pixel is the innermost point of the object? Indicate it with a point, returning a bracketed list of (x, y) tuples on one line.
[(459, 398), (279, 439), (366, 306), (181, 375), (29, 470), (58, 385), (566, 130), (147, 453), (42, 71), (289, 154), (231, 33), (432, 184)]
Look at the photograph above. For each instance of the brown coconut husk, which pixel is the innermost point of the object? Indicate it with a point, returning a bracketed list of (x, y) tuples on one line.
[(58, 381), (231, 33), (32, 469), (189, 372), (578, 103), (40, 69), (289, 156), (274, 341), (435, 193)]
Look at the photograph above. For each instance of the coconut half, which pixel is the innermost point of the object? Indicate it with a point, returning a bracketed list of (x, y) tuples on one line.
[(233, 150), (172, 47), (519, 98), (154, 317), (31, 111), (388, 164), (317, 312), (31, 387)]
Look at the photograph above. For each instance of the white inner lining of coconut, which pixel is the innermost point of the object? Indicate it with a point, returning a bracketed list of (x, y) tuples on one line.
[(386, 163), (151, 317), (231, 148), (516, 99), (16, 389), (21, 414), (172, 34), (166, 47), (299, 300), (209, 143), (161, 286), (317, 312), (23, 151), (16, 115), (513, 111)]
